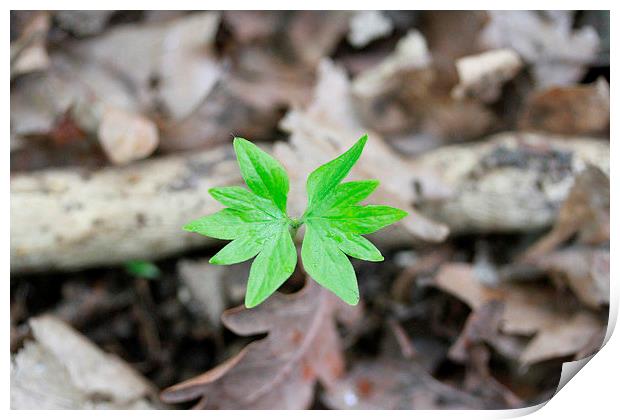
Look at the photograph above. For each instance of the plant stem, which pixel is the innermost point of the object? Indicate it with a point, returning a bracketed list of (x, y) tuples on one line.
[(295, 224)]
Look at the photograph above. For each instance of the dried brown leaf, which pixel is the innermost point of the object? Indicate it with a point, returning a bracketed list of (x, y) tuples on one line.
[(585, 211), (480, 382), (528, 310), (562, 339), (570, 110), (558, 52), (61, 369), (29, 51), (313, 35), (401, 95), (178, 55), (130, 70), (440, 27), (299, 37), (271, 68), (584, 270), (393, 384), (280, 371), (234, 107), (481, 326), (95, 100)]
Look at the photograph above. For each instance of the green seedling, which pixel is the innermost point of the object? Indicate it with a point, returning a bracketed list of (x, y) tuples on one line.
[(143, 269), (257, 223)]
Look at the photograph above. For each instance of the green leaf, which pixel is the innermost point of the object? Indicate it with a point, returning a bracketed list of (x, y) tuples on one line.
[(323, 179), (272, 267), (144, 269), (325, 262), (241, 199), (239, 250), (334, 223), (229, 223), (263, 174), (357, 246), (256, 222), (363, 219), (344, 195)]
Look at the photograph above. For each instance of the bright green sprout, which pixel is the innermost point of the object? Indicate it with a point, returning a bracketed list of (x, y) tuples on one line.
[(257, 223), (144, 269)]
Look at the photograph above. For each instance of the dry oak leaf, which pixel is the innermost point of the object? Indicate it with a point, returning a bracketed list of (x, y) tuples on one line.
[(281, 370), (395, 384), (481, 325), (584, 270), (95, 100), (299, 37), (271, 68), (178, 53), (528, 311), (585, 212), (558, 340), (570, 110), (401, 95)]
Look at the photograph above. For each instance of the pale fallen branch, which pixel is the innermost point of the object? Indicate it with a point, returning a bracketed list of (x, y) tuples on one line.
[(64, 220), (513, 182)]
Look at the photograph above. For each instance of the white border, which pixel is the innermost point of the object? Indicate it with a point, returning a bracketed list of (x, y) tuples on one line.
[(593, 394)]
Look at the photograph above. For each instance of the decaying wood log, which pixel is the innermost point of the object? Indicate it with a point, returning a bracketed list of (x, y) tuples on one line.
[(510, 183), (64, 220)]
